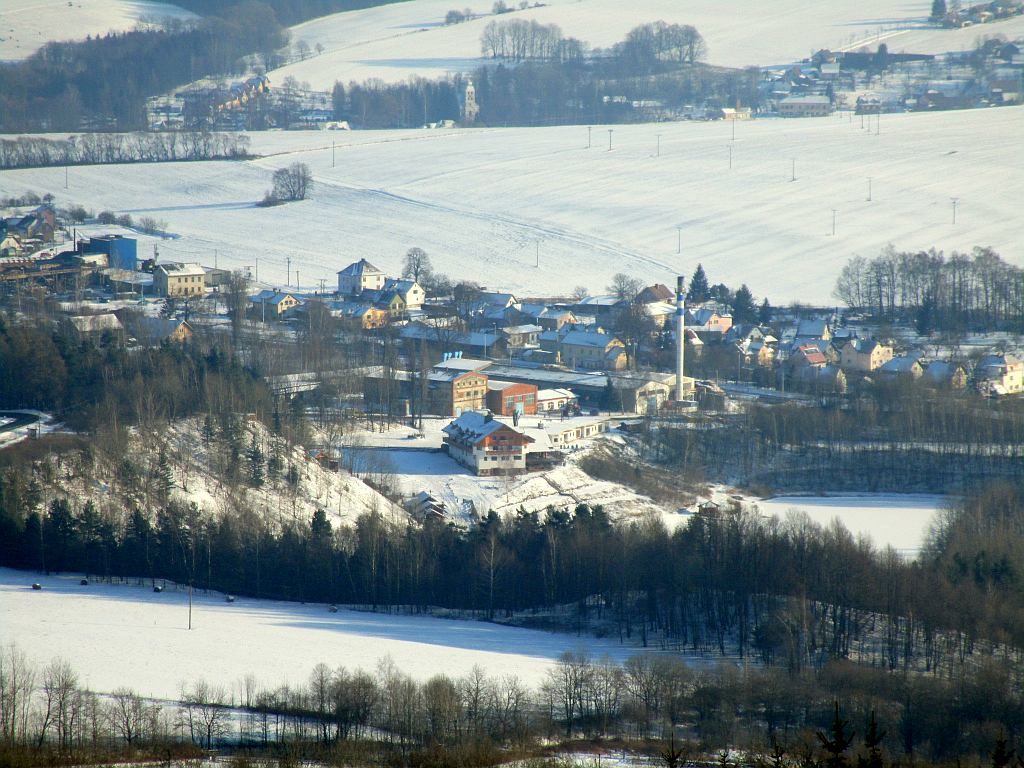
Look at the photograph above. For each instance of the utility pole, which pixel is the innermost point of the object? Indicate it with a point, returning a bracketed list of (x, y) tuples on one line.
[(214, 258), (878, 121), (610, 139), (833, 222), (296, 279), (332, 153), (730, 156), (288, 276), (256, 278), (869, 189), (955, 200), (657, 152), (538, 254), (679, 238), (65, 177), (733, 121), (589, 128), (792, 173)]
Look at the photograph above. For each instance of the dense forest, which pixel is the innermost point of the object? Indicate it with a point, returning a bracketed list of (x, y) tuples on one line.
[(102, 83)]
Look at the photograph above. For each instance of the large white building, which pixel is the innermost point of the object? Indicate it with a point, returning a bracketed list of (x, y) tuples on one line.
[(360, 276)]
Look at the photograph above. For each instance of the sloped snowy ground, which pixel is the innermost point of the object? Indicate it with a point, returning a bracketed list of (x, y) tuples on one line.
[(900, 521), (396, 41), (125, 635), (27, 25), (480, 202)]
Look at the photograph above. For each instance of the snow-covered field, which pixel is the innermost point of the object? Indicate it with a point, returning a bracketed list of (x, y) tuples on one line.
[(27, 25), (480, 202), (900, 521), (117, 635), (395, 41)]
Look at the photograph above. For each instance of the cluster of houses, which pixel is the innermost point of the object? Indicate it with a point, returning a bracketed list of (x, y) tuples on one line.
[(958, 17), (814, 355)]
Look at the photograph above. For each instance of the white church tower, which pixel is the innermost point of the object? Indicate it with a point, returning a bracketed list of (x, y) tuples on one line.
[(470, 109)]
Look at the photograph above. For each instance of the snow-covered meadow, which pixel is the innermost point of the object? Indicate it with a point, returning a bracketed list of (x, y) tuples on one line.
[(483, 202), (393, 42), (27, 25), (125, 635), (900, 521)]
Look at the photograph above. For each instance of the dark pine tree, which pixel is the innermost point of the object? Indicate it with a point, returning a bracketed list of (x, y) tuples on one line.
[(699, 290)]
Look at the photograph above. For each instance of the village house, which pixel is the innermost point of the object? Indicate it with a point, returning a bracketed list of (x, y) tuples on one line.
[(96, 326), (863, 355), (521, 336), (365, 317), (905, 366), (548, 318), (592, 350), (805, 106), (485, 445), (643, 394), (554, 400), (389, 301), (177, 280), (999, 374), (360, 276), (944, 373), (570, 434), (707, 320), (152, 331), (411, 293), (506, 398), (274, 304)]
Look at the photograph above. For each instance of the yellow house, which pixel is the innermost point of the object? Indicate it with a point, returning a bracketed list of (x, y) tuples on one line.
[(861, 355), (179, 280)]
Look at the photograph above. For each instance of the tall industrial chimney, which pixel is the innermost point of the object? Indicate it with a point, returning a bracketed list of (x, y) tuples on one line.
[(680, 338)]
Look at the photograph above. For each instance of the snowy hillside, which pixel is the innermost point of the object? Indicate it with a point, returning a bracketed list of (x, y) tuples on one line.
[(395, 41), (195, 477), (125, 635), (27, 25), (482, 202)]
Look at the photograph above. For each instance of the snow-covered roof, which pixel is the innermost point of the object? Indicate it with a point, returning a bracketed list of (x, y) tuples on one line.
[(178, 269), (474, 426), (462, 364), (95, 323), (520, 329), (359, 268), (588, 339)]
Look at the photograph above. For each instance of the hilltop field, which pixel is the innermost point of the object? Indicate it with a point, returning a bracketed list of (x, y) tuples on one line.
[(395, 41), (485, 202)]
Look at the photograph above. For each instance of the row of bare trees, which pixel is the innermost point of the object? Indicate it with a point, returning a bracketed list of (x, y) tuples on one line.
[(519, 40), (45, 710), (961, 291), (112, 148)]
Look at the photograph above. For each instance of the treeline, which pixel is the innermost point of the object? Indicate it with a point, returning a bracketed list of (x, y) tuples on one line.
[(102, 83), (787, 593), (895, 435), (519, 40), (107, 148), (290, 12), (976, 291), (558, 81), (384, 716), (89, 384)]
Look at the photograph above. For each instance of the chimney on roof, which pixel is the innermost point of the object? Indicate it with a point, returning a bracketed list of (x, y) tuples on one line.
[(488, 417)]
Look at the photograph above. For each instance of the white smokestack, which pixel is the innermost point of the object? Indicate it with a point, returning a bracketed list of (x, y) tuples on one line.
[(680, 338)]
